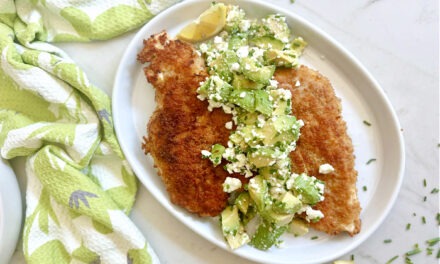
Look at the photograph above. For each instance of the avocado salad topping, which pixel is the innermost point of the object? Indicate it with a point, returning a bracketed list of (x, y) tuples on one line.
[(241, 60)]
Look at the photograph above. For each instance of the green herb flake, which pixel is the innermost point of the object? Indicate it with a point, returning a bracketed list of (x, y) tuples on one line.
[(387, 241), (425, 198), (438, 253), (364, 188), (437, 217), (392, 259), (433, 241), (424, 183), (435, 190), (429, 251), (415, 251), (408, 261), (408, 226), (352, 257), (423, 220), (370, 160), (367, 123), (314, 237)]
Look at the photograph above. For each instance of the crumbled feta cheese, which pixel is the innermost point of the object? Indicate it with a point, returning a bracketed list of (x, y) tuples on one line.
[(274, 83), (326, 169), (245, 25), (242, 94), (297, 83), (203, 47), (243, 51), (235, 66), (231, 184), (205, 153), (228, 125), (312, 214), (218, 39)]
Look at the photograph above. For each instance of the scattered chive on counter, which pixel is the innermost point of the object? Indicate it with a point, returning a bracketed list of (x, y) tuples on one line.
[(370, 160), (387, 241), (392, 259), (367, 123)]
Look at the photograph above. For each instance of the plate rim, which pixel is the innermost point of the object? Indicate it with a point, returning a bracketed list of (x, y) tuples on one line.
[(346, 54), (10, 225)]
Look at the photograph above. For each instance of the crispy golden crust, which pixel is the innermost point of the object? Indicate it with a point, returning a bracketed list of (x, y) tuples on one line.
[(324, 139), (181, 126)]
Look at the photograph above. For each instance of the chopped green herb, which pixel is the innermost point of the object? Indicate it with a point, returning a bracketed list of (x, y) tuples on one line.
[(416, 250), (352, 257), (392, 259), (387, 241), (433, 241), (438, 218), (429, 251), (408, 261), (435, 190), (314, 237), (367, 123), (424, 182), (425, 198), (414, 214), (364, 188), (423, 220), (438, 253), (408, 226), (370, 160)]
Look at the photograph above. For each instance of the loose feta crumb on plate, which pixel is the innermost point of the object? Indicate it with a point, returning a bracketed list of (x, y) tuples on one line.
[(326, 168), (231, 184)]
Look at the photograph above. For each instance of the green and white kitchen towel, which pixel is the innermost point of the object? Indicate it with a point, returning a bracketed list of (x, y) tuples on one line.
[(80, 187)]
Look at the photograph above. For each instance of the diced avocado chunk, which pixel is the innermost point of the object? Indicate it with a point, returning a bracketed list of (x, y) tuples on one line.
[(306, 187), (215, 86), (258, 191), (243, 98), (280, 58), (284, 123), (262, 102), (241, 82), (237, 240), (217, 151), (277, 26), (299, 44), (243, 202), (237, 41), (279, 219), (298, 227), (267, 235), (222, 64), (248, 118), (262, 157), (267, 42), (288, 204), (230, 220), (283, 107), (254, 72)]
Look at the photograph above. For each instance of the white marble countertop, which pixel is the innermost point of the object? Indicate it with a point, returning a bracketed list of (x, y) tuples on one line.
[(397, 41)]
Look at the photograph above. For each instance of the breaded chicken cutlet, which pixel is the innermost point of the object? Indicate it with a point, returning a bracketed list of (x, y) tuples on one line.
[(181, 127), (324, 139)]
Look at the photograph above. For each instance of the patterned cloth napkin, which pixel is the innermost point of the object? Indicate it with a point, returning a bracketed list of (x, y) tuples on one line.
[(80, 187)]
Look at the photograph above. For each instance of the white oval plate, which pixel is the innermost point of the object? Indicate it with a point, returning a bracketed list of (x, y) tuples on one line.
[(10, 211), (362, 99)]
